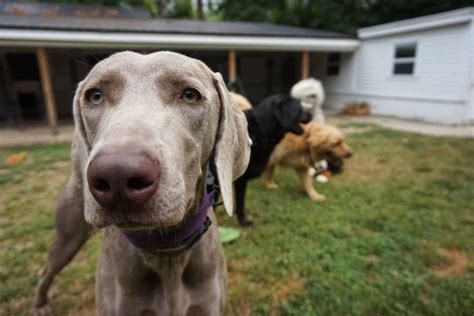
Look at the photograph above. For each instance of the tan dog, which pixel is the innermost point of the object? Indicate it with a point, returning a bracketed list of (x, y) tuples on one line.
[(319, 142), (241, 101)]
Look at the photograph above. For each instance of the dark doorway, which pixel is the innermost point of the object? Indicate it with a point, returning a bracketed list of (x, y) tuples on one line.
[(29, 105), (290, 72), (25, 80), (23, 66)]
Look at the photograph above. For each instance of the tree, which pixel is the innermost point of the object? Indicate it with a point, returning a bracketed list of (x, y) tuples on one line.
[(342, 15), (199, 11), (394, 10), (180, 9)]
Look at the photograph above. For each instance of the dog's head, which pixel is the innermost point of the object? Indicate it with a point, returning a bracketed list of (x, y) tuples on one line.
[(311, 93), (326, 142), (150, 125), (290, 114)]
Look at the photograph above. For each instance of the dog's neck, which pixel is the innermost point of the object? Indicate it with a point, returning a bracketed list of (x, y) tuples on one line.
[(177, 238), (266, 134)]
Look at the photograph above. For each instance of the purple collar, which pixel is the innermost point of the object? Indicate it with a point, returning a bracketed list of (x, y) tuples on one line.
[(176, 238)]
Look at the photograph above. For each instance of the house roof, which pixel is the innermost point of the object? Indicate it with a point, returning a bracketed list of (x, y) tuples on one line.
[(66, 9), (164, 26), (70, 25), (102, 19), (454, 17)]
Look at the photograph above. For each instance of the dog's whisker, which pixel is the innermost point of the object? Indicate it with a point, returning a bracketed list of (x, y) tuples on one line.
[(83, 63)]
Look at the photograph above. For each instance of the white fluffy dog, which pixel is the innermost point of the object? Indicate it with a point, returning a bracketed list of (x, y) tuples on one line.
[(311, 93)]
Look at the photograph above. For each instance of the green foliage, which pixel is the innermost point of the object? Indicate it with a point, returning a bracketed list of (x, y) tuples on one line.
[(325, 14), (151, 6), (344, 16), (370, 249), (394, 10), (182, 9)]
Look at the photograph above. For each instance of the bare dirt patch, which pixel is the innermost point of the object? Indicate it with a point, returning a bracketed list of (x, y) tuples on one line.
[(363, 168), (283, 290), (287, 287), (456, 263)]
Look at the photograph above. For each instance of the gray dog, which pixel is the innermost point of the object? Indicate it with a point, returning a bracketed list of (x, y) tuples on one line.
[(147, 128)]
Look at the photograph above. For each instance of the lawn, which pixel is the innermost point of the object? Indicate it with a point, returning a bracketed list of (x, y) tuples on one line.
[(395, 236)]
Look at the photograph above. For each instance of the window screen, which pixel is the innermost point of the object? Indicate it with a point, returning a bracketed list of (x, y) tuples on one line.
[(404, 62), (334, 63)]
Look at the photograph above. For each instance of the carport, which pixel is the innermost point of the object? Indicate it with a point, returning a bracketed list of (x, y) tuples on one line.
[(47, 49)]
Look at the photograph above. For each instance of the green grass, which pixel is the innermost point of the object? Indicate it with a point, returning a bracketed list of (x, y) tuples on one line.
[(370, 249)]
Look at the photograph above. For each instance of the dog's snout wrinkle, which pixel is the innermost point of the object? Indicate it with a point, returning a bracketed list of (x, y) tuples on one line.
[(123, 178)]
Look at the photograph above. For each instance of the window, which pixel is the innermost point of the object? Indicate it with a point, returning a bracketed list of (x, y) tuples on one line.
[(404, 63), (334, 62)]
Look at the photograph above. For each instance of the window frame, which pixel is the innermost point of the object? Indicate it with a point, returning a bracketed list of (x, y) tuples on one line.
[(333, 64), (410, 60)]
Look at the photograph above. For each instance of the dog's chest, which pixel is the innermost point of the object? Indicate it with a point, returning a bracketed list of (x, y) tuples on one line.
[(172, 296), (138, 284)]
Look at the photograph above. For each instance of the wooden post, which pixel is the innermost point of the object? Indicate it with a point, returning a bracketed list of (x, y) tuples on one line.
[(47, 87), (305, 65), (232, 66)]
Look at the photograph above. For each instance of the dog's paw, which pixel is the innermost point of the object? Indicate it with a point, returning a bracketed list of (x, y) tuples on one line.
[(44, 310), (272, 185), (317, 197), (245, 222)]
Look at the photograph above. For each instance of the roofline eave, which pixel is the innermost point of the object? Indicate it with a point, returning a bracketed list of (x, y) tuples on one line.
[(74, 39), (444, 19)]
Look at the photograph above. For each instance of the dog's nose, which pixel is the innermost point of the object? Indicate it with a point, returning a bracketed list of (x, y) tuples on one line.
[(349, 154), (123, 179)]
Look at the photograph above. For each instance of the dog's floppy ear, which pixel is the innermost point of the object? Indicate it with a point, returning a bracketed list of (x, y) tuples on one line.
[(80, 128), (288, 112), (232, 151)]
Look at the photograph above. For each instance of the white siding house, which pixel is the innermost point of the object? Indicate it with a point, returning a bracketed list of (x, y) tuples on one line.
[(420, 68)]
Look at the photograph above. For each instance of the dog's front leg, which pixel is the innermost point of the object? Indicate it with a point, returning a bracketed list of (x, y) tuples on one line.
[(268, 176), (71, 232), (240, 188), (307, 185)]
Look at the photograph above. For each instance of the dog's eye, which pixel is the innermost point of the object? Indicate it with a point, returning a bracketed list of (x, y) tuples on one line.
[(94, 96), (190, 95)]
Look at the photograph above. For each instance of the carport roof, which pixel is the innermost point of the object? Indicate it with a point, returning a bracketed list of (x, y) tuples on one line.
[(167, 26), (66, 25)]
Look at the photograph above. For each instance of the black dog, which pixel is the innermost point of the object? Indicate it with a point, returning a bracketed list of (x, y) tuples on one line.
[(267, 124)]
